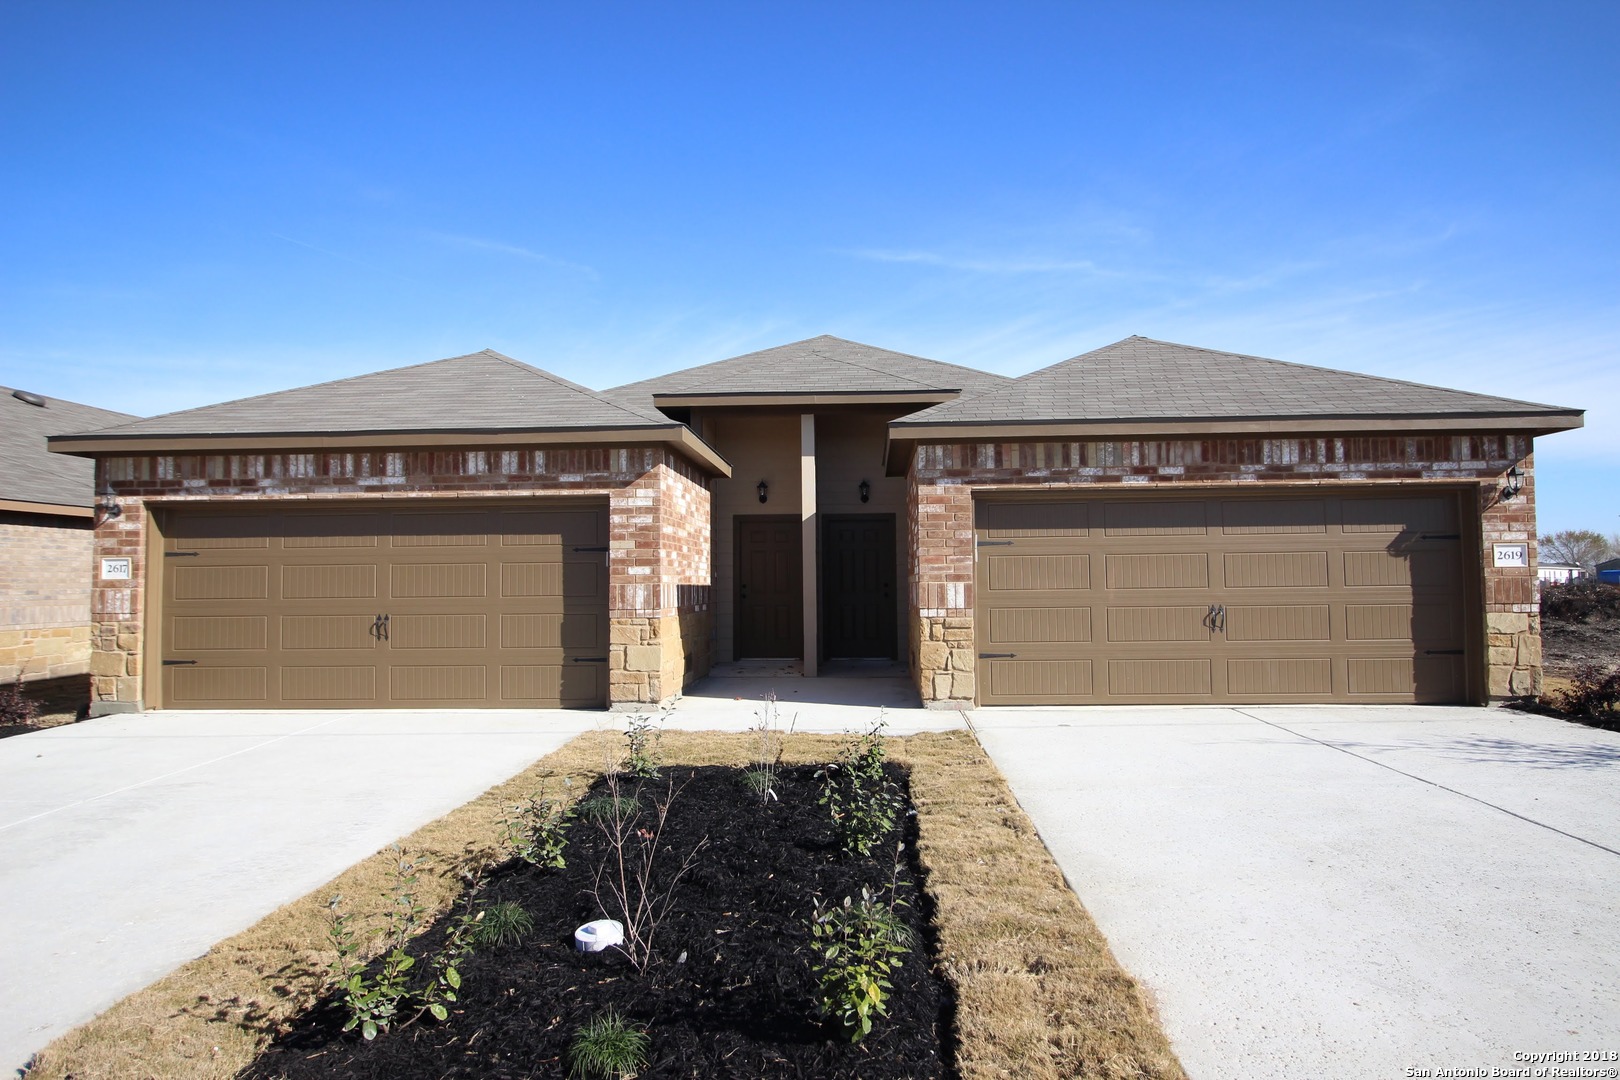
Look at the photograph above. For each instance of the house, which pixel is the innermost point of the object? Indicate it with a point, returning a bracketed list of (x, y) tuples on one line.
[(1609, 570), (1148, 522), (46, 538), (1558, 573)]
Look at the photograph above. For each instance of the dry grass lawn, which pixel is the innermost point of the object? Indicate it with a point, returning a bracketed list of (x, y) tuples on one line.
[(1039, 994)]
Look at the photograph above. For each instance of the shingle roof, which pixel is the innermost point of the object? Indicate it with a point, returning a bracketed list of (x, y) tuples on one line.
[(31, 473), (482, 391), (1140, 379), (818, 365)]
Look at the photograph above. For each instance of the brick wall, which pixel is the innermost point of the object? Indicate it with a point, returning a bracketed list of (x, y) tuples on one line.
[(44, 596), (658, 526), (944, 477)]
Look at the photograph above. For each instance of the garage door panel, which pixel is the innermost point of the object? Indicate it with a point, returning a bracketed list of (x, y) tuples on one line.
[(1005, 521), (1292, 677), (440, 683), (1161, 678), (524, 529), (1040, 680), (1276, 569), (201, 685), (327, 632), (341, 581), (1158, 624), (1009, 626), (1039, 573), (354, 684), (220, 633), (220, 582), (1273, 517), (438, 580), (1370, 613), (1279, 622), (1168, 571), (303, 532), (436, 632), (570, 684)]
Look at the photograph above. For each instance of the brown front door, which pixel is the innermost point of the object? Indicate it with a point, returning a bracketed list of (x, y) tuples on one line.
[(384, 605), (770, 592), (857, 574)]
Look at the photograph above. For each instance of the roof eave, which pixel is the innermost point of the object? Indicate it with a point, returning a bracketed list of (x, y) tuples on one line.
[(46, 509), (854, 397), (677, 436)]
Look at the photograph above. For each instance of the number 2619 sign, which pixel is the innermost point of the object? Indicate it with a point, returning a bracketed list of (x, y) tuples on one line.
[(1510, 554)]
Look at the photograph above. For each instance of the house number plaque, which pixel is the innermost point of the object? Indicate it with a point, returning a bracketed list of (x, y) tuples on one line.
[(115, 569), (1511, 554)]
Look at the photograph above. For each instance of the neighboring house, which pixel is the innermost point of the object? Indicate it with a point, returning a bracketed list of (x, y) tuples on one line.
[(1608, 570), (1558, 573), (1148, 522), (46, 538)]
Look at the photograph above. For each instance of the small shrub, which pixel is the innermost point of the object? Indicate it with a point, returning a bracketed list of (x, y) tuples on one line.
[(643, 735), (503, 925), (16, 708), (1593, 694), (760, 781), (857, 946), (760, 778), (536, 830), (857, 794), (608, 1047)]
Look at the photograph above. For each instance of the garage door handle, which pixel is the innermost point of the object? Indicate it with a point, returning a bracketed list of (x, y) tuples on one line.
[(997, 655)]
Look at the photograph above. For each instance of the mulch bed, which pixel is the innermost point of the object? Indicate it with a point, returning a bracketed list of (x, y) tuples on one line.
[(742, 1003)]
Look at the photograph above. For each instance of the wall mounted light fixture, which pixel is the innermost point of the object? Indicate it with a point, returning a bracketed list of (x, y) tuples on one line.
[(1512, 484), (107, 506), (764, 490), (866, 491)]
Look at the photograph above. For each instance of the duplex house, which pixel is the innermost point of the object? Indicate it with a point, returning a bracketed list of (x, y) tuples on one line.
[(1148, 522)]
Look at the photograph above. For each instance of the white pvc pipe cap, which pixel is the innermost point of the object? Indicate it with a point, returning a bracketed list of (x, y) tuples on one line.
[(599, 935)]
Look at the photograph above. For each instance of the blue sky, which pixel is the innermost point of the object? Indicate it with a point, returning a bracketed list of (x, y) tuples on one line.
[(212, 200)]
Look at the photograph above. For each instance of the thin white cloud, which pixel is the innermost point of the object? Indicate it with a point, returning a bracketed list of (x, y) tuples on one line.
[(991, 265), (479, 243)]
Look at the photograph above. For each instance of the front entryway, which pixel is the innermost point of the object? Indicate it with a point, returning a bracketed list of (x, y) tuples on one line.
[(858, 587), (770, 592)]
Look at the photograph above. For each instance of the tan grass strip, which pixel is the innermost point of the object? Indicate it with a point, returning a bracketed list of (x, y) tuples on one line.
[(1039, 994)]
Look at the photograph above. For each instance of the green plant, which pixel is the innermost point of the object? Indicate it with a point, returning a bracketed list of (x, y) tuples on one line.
[(608, 1047), (761, 781), (858, 795), (605, 806), (15, 707), (766, 738), (503, 924), (376, 1002), (644, 735), (536, 829), (857, 946)]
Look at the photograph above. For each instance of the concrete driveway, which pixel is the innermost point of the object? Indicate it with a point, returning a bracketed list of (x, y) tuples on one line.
[(1339, 891)]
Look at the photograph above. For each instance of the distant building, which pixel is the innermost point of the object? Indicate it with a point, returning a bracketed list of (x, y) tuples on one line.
[(1559, 573), (47, 538), (1609, 570)]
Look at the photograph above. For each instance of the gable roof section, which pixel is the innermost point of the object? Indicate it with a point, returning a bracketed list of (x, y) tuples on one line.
[(1140, 380), (462, 400), (824, 367), (32, 478)]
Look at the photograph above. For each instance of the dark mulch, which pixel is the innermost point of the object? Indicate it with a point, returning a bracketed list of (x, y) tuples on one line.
[(43, 703), (742, 1003)]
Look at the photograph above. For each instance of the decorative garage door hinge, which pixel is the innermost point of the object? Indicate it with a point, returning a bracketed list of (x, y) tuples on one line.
[(181, 554), (178, 663), (1442, 652), (1439, 536), (997, 655), (589, 659), (995, 543), (590, 549)]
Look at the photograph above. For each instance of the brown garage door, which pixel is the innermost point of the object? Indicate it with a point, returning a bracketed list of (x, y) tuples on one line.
[(1355, 598), (384, 606)]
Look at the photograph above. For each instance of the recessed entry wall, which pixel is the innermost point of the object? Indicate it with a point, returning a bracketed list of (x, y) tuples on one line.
[(383, 605), (1287, 597)]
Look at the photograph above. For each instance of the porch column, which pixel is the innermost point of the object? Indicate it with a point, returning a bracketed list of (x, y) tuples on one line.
[(807, 525)]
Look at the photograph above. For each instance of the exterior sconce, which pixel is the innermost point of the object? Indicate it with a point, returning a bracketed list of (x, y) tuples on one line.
[(107, 506), (764, 490), (1513, 484), (866, 491)]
